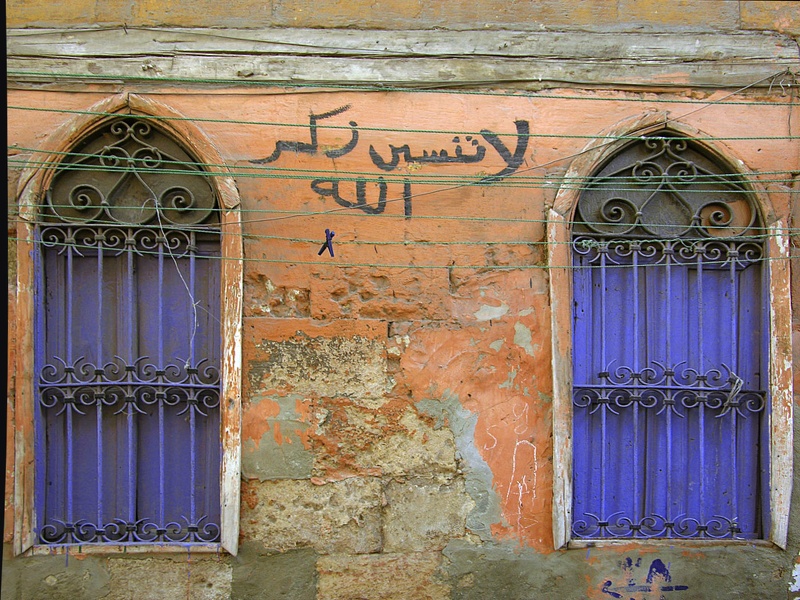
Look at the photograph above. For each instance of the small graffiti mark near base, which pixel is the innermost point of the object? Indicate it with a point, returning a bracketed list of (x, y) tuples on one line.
[(656, 583)]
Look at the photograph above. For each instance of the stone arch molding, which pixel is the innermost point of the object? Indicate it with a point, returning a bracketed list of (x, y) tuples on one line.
[(35, 180), (608, 143), (559, 218), (33, 185)]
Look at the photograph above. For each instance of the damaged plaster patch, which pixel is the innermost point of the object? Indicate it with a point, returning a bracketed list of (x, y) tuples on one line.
[(794, 584), (487, 313), (523, 338), (346, 367), (496, 345), (270, 460), (477, 474), (509, 383), (272, 445)]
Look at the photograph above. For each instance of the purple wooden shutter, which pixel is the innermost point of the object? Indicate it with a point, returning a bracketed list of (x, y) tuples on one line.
[(128, 353), (669, 400)]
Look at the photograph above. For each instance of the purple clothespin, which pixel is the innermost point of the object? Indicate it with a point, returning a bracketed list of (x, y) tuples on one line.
[(328, 245)]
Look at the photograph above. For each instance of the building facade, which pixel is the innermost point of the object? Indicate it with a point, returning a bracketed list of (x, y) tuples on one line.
[(348, 301)]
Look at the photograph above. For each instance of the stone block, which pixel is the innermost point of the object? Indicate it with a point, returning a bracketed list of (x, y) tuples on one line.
[(424, 515), (708, 15), (199, 577), (783, 17), (417, 447), (342, 516), (206, 13), (272, 440), (524, 15), (354, 367), (393, 440), (20, 13), (259, 574), (381, 576)]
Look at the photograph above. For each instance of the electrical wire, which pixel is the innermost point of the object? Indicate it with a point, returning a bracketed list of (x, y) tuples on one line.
[(448, 132), (509, 179), (552, 181), (535, 266)]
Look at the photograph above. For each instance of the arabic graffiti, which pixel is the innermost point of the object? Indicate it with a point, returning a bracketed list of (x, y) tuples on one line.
[(513, 161), (474, 153), (440, 157), (657, 582), (313, 147)]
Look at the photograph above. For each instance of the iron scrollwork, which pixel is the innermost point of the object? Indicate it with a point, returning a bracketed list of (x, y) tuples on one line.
[(661, 186), (128, 387), (119, 531), (675, 388), (130, 173)]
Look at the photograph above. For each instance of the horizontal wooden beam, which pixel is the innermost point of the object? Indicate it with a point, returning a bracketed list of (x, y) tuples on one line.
[(526, 60)]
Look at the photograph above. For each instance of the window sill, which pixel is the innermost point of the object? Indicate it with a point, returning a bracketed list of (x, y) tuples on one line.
[(106, 549), (667, 542)]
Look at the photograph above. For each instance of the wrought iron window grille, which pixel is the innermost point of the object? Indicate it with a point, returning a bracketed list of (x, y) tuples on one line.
[(128, 365), (669, 401)]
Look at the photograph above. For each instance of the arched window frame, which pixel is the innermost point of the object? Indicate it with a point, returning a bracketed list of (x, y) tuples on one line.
[(777, 271), (34, 182)]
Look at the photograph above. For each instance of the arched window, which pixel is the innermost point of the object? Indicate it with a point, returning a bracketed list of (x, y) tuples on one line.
[(128, 344), (670, 322)]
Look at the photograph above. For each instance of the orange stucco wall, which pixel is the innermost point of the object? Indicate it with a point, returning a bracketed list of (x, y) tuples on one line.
[(455, 293), (398, 418)]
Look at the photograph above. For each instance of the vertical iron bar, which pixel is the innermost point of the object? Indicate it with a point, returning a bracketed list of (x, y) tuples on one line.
[(132, 352), (68, 359), (603, 461), (639, 502), (701, 367), (68, 416), (670, 365), (192, 411), (734, 345), (98, 365), (161, 473)]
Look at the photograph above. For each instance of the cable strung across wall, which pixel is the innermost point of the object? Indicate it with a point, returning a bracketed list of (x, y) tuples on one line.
[(314, 245), (517, 179), (587, 136), (552, 181)]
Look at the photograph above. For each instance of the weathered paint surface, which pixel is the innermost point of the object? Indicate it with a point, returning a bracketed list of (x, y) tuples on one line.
[(592, 14), (402, 415)]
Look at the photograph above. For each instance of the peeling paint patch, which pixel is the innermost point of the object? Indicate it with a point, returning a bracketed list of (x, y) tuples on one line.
[(270, 459), (477, 473), (509, 383), (273, 447), (523, 338), (255, 422), (488, 313), (794, 585)]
